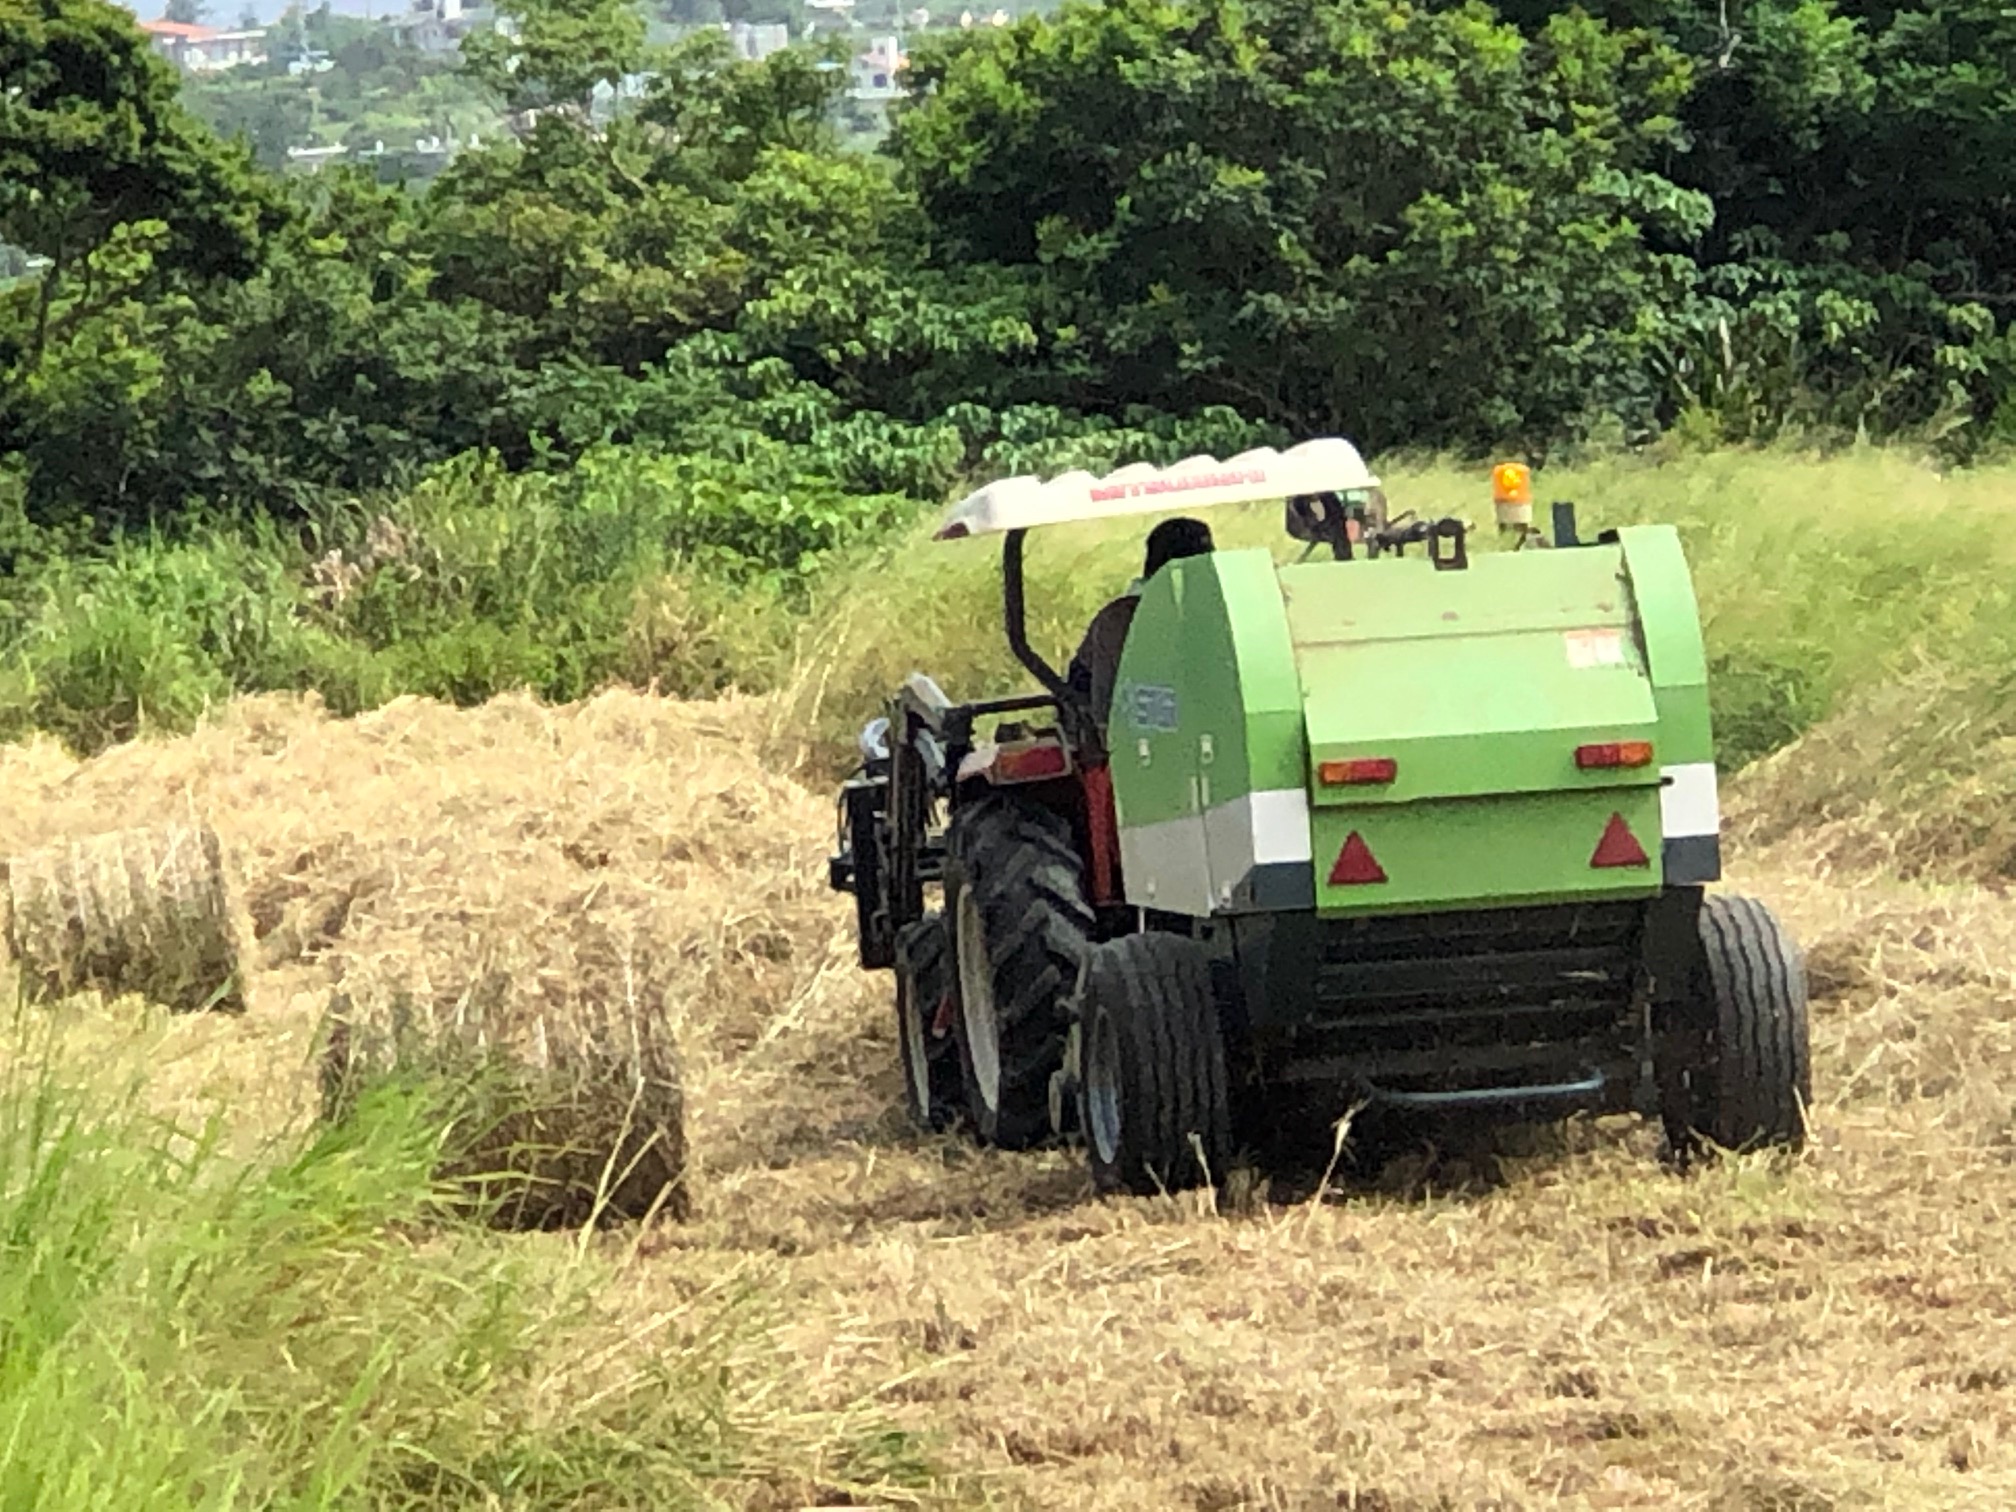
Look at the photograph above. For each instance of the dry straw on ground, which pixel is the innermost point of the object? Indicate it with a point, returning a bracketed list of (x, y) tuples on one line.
[(574, 1106), (145, 911), (1909, 778), (1577, 1328)]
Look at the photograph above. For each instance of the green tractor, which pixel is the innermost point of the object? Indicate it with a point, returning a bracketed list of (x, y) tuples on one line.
[(1421, 833)]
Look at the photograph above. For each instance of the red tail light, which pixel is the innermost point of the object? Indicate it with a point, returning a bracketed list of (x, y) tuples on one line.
[(1030, 763), (1356, 865), (1360, 771), (1618, 753)]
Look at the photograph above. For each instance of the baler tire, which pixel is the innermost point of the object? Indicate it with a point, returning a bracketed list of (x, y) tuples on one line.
[(1753, 1082), (1154, 1092), (1021, 922), (923, 969)]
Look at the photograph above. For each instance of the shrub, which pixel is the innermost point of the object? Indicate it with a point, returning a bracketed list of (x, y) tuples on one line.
[(153, 633)]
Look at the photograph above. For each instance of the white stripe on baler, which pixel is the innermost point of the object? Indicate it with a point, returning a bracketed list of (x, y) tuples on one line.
[(1281, 826), (1688, 801), (1164, 867)]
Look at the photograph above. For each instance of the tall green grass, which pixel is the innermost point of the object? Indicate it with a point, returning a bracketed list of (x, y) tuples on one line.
[(96, 648), (181, 1326), (1817, 577), (643, 569)]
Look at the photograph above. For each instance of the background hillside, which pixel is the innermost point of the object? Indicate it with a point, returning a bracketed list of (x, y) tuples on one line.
[(630, 397)]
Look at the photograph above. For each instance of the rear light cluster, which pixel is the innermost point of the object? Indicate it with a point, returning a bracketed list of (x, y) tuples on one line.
[(1377, 771), (1360, 771), (1617, 753), (1030, 763)]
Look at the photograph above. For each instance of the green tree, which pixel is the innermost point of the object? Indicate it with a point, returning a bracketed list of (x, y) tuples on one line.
[(270, 114), (332, 369), (186, 12), (621, 244), (92, 138), (1349, 214), (552, 53), (1861, 155)]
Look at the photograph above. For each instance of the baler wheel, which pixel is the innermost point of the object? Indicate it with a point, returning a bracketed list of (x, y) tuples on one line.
[(1154, 1100), (1751, 1078), (931, 1086), (1021, 922)]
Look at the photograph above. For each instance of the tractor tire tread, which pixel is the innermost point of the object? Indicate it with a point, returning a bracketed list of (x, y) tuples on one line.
[(1762, 1078), (1174, 1081), (1020, 861), (924, 956)]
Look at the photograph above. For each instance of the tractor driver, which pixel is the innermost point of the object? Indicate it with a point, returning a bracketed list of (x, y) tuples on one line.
[(1097, 661)]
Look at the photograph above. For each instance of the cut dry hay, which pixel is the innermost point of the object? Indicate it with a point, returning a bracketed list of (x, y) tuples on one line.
[(1910, 778), (563, 1079), (135, 911)]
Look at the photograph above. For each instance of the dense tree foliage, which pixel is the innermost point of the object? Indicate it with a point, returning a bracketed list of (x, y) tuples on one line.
[(1140, 226), (1861, 159), (93, 137), (1356, 215), (556, 51)]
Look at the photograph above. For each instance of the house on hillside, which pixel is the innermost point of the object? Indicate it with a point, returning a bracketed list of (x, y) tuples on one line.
[(438, 26), (205, 49), (874, 72)]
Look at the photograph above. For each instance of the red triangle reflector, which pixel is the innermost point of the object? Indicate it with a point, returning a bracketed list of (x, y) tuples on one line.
[(1355, 864), (1619, 847)]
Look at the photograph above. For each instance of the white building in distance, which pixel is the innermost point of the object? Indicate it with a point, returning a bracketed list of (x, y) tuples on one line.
[(205, 49)]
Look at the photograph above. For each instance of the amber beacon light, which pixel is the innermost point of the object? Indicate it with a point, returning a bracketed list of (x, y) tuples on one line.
[(1512, 493)]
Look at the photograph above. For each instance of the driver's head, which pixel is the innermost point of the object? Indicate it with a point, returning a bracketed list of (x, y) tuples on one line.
[(1173, 539)]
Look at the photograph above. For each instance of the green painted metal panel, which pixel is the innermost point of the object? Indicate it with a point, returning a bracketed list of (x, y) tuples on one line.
[(1404, 599), (1676, 655), (1667, 609), (1152, 734), (1239, 679), (1269, 681), (1207, 689), (1487, 851), (1478, 682), (1208, 713), (1154, 753), (1208, 683)]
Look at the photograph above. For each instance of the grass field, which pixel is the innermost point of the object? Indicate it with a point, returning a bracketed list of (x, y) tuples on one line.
[(205, 1302)]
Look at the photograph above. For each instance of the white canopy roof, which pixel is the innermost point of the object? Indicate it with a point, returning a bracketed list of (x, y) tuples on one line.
[(1328, 464)]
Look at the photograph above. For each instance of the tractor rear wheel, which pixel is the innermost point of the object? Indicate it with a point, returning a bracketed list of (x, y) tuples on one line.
[(1749, 1076), (1015, 895), (931, 1086), (1154, 1096)]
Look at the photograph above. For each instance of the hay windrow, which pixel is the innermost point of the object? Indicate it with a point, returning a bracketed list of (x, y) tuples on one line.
[(143, 911)]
